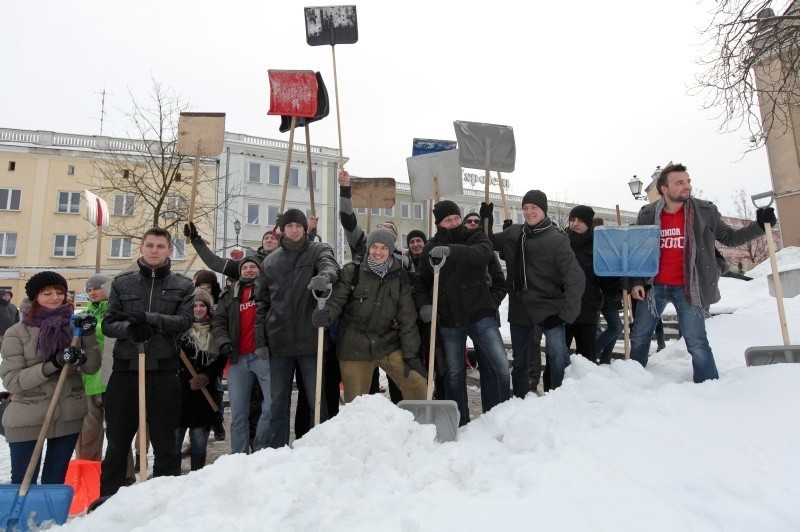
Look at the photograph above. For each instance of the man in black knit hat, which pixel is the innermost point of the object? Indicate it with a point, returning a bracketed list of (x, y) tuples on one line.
[(544, 283), (465, 306), (284, 331)]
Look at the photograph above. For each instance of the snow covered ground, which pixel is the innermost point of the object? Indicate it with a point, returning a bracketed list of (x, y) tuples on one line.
[(616, 447)]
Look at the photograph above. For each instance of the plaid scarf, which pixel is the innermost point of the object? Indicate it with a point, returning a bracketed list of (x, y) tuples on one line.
[(691, 280)]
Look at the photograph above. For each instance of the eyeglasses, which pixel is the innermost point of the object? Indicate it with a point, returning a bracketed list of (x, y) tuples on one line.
[(472, 221)]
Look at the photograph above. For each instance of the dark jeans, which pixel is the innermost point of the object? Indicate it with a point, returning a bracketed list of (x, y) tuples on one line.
[(585, 335), (330, 393), (281, 373), (607, 339), (163, 403), (56, 459)]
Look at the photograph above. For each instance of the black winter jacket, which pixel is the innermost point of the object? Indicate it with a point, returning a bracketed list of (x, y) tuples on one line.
[(225, 322), (285, 304), (464, 296), (592, 298), (167, 299)]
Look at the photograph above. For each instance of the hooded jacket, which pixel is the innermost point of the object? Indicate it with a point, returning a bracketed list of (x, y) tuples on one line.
[(9, 315)]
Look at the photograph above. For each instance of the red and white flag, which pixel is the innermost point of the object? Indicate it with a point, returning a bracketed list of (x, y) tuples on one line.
[(96, 209)]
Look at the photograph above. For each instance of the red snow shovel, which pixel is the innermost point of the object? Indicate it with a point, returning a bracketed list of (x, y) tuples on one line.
[(443, 414), (773, 354), (292, 93), (29, 507)]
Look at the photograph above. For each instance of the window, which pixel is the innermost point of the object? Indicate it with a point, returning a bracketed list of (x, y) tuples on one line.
[(390, 211), (126, 174), (314, 179), (255, 173), (418, 211), (404, 210), (178, 176), (9, 199), (12, 165), (8, 244), (123, 204), (71, 169), (294, 177), (520, 217), (274, 175), (272, 215), (360, 210), (404, 240), (174, 207), (498, 216), (64, 245), (178, 248), (69, 202), (376, 212), (121, 248), (252, 213)]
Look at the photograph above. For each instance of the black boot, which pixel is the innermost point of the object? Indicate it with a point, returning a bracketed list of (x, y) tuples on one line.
[(198, 461), (660, 341)]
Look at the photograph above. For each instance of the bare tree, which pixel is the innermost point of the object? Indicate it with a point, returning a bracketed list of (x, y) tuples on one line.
[(144, 179), (753, 63), (743, 208)]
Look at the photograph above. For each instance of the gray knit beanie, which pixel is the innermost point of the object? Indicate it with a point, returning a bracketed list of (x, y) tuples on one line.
[(98, 280), (382, 236)]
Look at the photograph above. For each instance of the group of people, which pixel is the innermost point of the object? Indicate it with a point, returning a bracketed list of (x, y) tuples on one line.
[(376, 311)]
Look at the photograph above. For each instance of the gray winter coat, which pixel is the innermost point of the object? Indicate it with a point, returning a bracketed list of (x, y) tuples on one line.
[(708, 227)]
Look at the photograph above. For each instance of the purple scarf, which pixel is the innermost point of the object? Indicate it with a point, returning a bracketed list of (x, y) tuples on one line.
[(54, 330)]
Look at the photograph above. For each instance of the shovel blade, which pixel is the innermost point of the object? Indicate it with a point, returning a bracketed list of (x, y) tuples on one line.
[(43, 503), (443, 414), (331, 25), (763, 355), (293, 93)]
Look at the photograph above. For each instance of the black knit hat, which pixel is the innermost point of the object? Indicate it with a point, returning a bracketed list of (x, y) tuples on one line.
[(583, 213), (246, 260), (416, 233), (293, 215), (443, 209), (205, 276), (536, 197), (42, 279)]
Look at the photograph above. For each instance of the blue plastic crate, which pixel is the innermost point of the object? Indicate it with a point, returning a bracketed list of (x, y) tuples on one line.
[(626, 251)]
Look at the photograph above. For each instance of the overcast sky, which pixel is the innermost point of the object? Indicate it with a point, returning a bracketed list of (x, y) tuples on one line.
[(595, 91)]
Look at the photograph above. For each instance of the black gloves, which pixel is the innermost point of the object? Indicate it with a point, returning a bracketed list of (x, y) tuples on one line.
[(137, 317), (552, 321), (226, 349), (426, 313), (507, 224), (414, 364), (487, 212), (320, 318), (765, 215), (190, 231), (319, 283), (140, 332), (70, 355), (440, 252), (85, 322)]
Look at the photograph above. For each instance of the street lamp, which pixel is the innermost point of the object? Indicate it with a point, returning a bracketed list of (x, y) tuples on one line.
[(237, 226), (635, 184)]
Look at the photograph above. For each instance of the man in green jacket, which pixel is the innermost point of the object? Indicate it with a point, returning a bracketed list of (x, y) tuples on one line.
[(90, 443)]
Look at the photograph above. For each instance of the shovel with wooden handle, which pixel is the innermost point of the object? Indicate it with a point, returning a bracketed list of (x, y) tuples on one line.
[(443, 414), (321, 300), (760, 355), (212, 403), (142, 416)]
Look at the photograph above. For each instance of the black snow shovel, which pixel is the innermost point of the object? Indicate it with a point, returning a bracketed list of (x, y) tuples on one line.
[(773, 354), (443, 414), (26, 506)]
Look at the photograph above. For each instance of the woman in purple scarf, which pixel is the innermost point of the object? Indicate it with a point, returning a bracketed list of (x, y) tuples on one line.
[(34, 352)]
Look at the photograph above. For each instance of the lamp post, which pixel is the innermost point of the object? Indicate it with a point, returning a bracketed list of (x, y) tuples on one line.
[(635, 184), (237, 226)]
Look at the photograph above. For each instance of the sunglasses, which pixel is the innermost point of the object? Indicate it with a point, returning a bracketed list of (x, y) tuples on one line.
[(472, 221)]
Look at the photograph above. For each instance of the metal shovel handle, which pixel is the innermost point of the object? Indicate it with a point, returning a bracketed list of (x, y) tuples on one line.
[(436, 266), (768, 194)]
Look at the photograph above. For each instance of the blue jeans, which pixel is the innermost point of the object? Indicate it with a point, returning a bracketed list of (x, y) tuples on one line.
[(248, 368), (607, 339), (198, 440), (56, 459), (494, 373), (691, 322), (282, 374), (555, 349)]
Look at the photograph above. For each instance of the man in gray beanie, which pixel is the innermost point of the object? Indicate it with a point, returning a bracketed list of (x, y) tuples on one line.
[(90, 442), (545, 284)]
